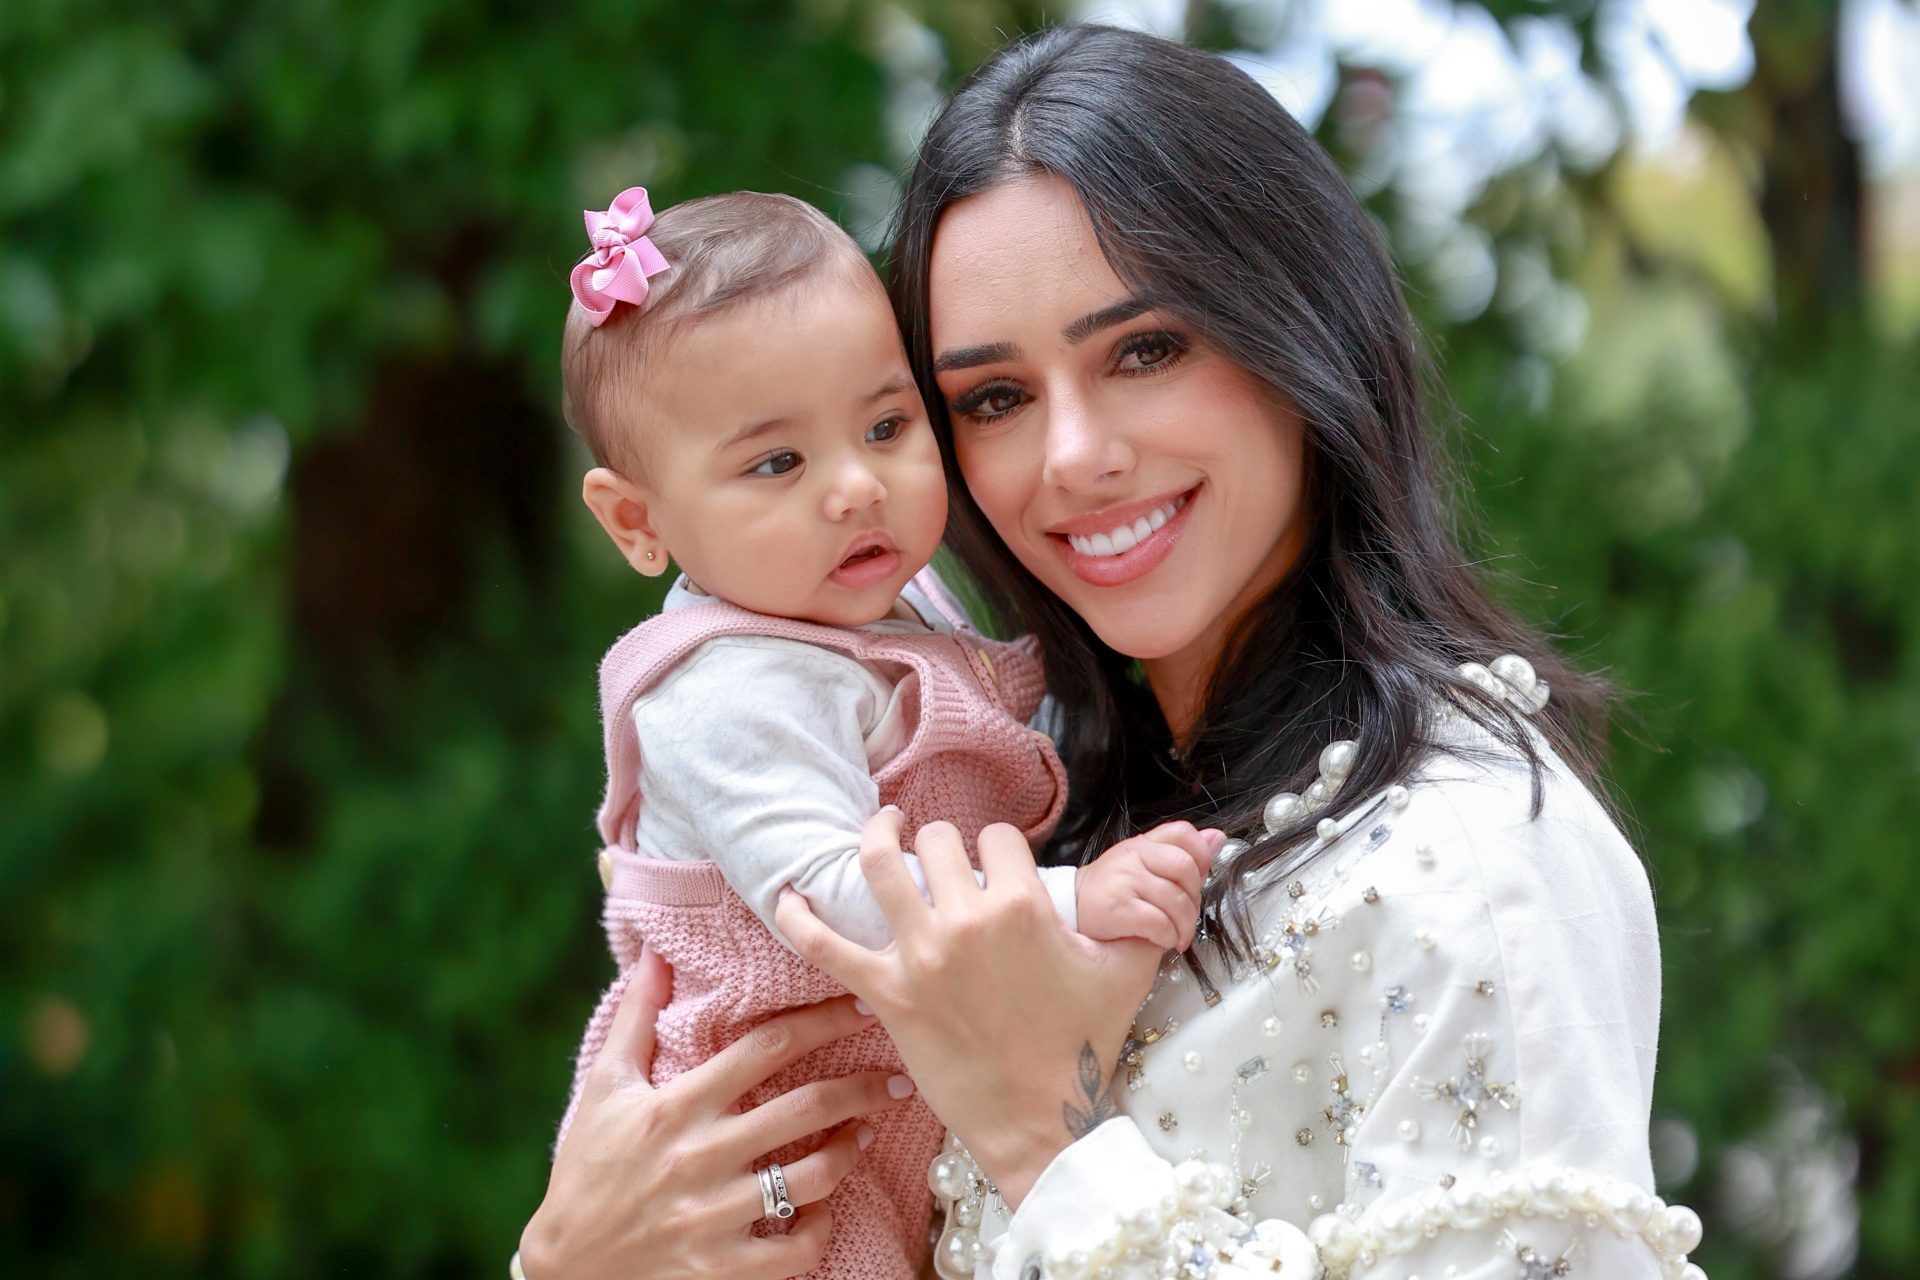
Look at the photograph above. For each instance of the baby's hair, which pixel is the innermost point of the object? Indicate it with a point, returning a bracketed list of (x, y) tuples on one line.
[(721, 251)]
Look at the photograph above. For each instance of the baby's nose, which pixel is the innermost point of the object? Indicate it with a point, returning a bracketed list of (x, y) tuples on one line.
[(859, 487)]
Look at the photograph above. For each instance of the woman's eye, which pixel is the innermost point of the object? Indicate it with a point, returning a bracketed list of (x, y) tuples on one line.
[(776, 464), (1150, 351), (984, 404), (883, 432)]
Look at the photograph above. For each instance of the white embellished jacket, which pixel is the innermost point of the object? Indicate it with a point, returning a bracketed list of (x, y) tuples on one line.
[(1439, 1064)]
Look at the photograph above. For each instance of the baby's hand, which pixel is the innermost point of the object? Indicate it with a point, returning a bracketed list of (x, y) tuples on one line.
[(1147, 886)]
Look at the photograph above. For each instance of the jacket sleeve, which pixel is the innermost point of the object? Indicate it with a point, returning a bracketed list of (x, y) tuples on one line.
[(1489, 1085), (1504, 1131)]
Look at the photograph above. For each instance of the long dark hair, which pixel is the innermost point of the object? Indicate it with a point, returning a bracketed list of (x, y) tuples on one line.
[(1214, 205)]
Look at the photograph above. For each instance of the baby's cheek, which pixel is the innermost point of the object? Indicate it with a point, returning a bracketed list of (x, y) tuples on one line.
[(930, 506)]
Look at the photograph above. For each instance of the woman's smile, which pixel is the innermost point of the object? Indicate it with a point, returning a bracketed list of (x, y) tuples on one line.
[(1120, 544)]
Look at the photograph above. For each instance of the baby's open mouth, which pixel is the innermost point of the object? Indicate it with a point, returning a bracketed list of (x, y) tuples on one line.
[(865, 553)]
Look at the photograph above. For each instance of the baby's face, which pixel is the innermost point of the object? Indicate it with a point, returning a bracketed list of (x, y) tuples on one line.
[(791, 467)]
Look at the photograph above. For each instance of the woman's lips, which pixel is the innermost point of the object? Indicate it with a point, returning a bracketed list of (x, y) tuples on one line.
[(1134, 563)]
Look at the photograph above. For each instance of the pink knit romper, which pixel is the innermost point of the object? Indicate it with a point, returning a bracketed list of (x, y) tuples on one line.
[(970, 760)]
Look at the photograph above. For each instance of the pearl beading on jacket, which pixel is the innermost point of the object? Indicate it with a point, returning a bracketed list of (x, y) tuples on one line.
[(1509, 677), (1671, 1232), (961, 1189), (1191, 1234), (1188, 1234)]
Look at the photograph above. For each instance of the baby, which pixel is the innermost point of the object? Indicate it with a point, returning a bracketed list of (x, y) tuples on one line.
[(735, 370)]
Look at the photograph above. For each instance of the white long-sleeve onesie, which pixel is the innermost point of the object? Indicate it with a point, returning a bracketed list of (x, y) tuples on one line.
[(758, 754)]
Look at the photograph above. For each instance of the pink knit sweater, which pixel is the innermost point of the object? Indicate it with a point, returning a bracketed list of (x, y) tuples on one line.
[(970, 759)]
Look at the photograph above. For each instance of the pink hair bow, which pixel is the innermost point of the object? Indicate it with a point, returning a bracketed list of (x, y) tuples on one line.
[(622, 258)]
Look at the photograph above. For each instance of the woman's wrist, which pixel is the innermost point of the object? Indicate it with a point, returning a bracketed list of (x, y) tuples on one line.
[(1018, 1178), (1016, 1155)]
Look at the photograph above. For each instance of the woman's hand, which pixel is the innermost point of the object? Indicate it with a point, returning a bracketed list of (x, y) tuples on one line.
[(1009, 1021), (659, 1183)]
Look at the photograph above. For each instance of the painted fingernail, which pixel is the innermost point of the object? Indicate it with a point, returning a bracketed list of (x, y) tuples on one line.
[(861, 1006), (864, 1137), (899, 1086)]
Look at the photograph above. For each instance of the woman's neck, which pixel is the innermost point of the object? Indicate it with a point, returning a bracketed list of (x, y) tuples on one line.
[(1179, 684), (1180, 679)]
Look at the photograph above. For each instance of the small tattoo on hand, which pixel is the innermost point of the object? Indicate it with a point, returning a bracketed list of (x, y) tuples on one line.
[(1099, 1108)]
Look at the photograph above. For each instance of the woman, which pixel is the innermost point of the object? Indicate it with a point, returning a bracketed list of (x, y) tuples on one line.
[(1171, 365)]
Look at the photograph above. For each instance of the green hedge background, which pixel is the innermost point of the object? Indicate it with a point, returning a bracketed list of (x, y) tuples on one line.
[(299, 612)]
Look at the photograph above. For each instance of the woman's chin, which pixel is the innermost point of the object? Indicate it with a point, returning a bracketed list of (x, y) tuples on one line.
[(1143, 635), (1150, 622)]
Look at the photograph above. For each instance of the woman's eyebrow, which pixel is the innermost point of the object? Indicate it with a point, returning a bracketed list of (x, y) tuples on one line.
[(1075, 334), (1105, 318), (968, 357)]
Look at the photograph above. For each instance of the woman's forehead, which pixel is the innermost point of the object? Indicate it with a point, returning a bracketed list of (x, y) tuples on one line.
[(1019, 253)]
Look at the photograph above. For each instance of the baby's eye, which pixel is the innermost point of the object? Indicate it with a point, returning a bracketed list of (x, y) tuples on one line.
[(883, 432), (777, 463)]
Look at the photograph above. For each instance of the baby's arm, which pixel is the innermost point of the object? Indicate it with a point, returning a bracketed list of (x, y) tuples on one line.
[(1148, 886), (753, 755), (840, 880)]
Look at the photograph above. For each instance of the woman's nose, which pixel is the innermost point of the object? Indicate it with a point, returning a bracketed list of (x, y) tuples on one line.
[(1081, 452), (855, 488)]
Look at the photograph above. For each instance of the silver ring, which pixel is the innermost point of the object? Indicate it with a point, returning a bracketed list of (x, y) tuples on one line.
[(773, 1192), (766, 1192)]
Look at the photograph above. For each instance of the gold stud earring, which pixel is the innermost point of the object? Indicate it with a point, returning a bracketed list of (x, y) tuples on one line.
[(649, 555)]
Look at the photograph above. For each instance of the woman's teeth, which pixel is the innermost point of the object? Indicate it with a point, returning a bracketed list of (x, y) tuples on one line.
[(1128, 536)]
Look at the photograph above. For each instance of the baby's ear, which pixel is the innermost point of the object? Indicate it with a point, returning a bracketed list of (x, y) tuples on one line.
[(621, 509)]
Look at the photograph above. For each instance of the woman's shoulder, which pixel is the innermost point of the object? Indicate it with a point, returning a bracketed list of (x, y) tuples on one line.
[(1516, 817), (1475, 818)]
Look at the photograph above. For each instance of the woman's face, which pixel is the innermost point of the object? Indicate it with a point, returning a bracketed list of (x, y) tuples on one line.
[(1146, 479)]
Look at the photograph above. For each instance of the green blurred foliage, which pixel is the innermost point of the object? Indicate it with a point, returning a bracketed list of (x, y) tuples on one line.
[(1735, 546), (298, 615)]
